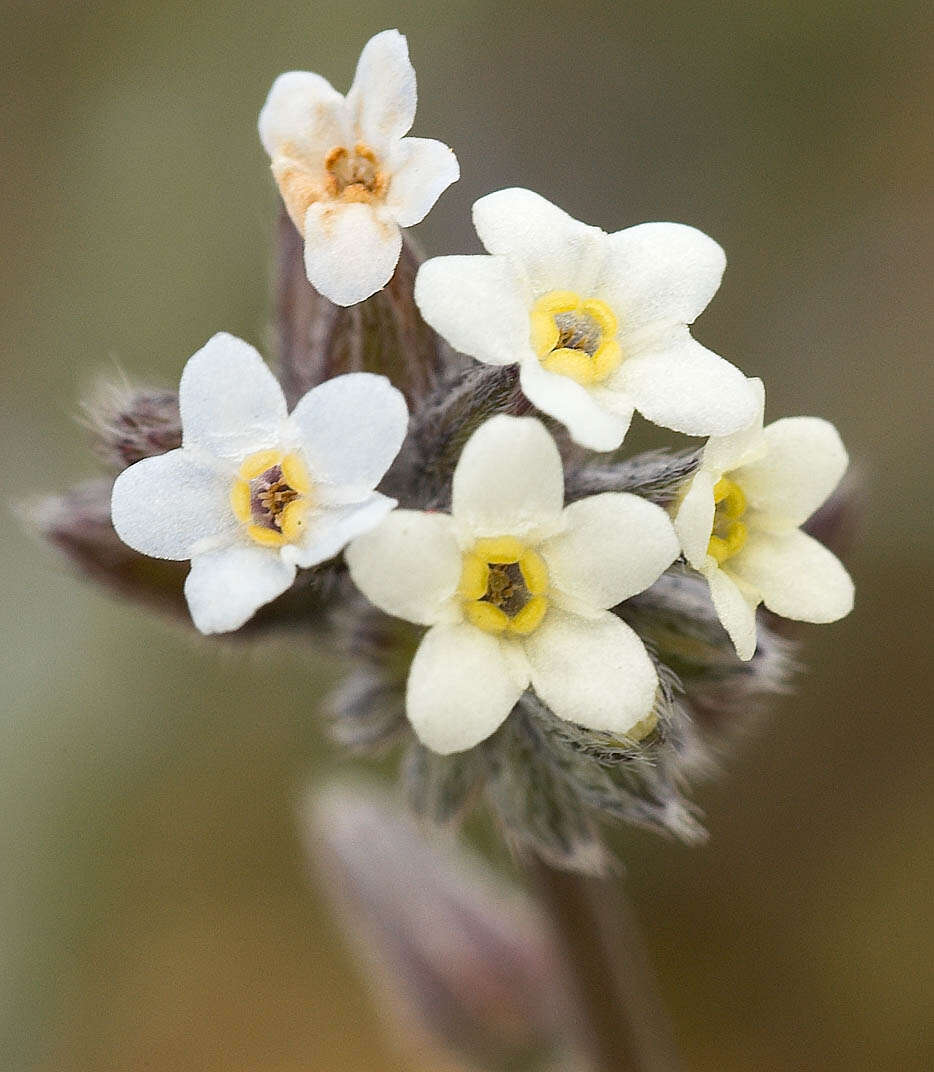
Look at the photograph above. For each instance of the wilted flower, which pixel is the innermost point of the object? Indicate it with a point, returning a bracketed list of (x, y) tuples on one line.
[(348, 176), (738, 524), (516, 589), (597, 322), (254, 493)]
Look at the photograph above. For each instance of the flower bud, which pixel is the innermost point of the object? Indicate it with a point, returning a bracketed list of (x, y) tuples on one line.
[(467, 966), (129, 423)]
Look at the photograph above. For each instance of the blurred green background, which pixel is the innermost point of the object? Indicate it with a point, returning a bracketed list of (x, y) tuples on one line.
[(155, 906)]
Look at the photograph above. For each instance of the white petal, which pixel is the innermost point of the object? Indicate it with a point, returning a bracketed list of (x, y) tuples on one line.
[(803, 462), (168, 505), (694, 519), (509, 480), (585, 413), (682, 385), (796, 576), (383, 96), (556, 251), (408, 566), (614, 545), (478, 305), (329, 531), (304, 115), (351, 428), (351, 250), (592, 671), (725, 453), (225, 588), (462, 686), (230, 403), (660, 273), (422, 169), (736, 609)]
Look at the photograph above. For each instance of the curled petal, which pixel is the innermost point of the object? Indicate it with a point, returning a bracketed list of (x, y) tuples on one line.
[(169, 505), (230, 403), (408, 566), (796, 576), (803, 462), (509, 480), (724, 453), (462, 685), (694, 519), (555, 251), (329, 531), (477, 304), (383, 96), (613, 546), (736, 608), (422, 169), (592, 419), (225, 588), (351, 250), (592, 671), (684, 386), (303, 115), (351, 428), (661, 273)]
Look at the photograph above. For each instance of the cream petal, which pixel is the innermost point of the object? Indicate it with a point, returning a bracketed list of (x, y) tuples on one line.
[(683, 386), (461, 688), (383, 96), (736, 609), (169, 505), (351, 250), (555, 251), (592, 671), (225, 588), (660, 273), (230, 403), (694, 519), (408, 566), (592, 420), (613, 546), (803, 462), (351, 428), (329, 531), (509, 480), (796, 576), (422, 169), (724, 453), (303, 116), (478, 305)]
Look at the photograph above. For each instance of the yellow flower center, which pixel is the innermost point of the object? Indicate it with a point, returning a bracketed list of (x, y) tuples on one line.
[(351, 175), (503, 585), (575, 336), (728, 536), (271, 496)]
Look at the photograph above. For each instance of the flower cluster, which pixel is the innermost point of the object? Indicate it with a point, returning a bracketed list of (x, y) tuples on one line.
[(573, 664)]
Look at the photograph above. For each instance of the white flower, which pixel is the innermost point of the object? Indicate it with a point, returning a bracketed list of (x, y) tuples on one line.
[(597, 322), (348, 176), (738, 524), (253, 492), (516, 590)]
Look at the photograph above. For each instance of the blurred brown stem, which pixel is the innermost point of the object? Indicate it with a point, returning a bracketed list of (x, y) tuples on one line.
[(623, 1025)]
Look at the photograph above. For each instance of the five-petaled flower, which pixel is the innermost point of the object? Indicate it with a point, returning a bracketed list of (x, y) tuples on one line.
[(738, 524), (516, 589), (348, 176), (598, 323), (253, 492)]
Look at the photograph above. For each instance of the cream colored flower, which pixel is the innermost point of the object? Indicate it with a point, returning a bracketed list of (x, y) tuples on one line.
[(738, 524), (516, 589), (348, 176), (254, 493), (597, 322)]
